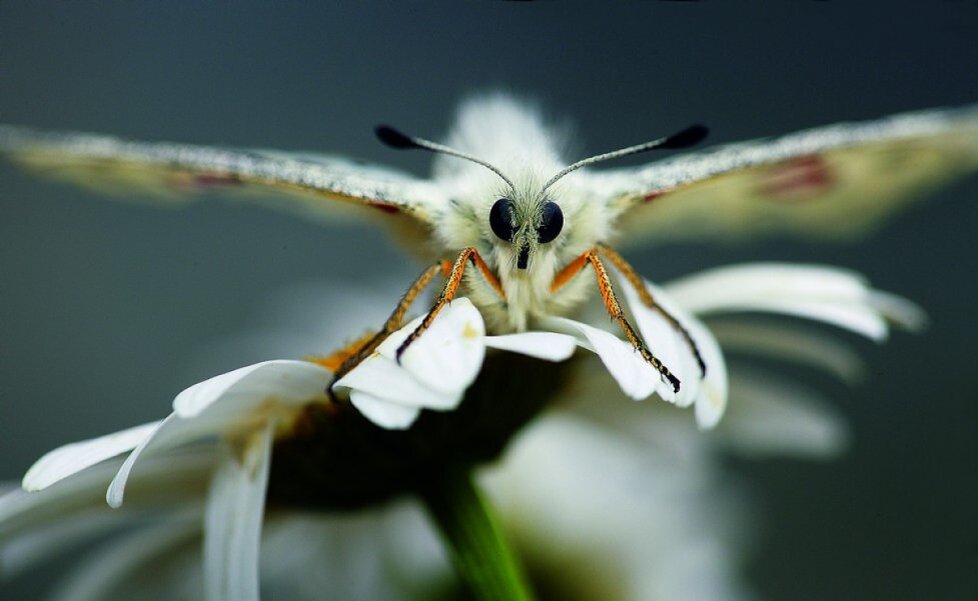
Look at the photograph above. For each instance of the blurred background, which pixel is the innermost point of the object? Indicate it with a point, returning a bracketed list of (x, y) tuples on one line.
[(106, 308)]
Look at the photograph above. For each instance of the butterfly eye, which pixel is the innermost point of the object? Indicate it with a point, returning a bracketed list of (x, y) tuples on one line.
[(551, 223), (501, 219)]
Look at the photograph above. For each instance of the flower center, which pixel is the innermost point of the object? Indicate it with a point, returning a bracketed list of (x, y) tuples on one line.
[(336, 458)]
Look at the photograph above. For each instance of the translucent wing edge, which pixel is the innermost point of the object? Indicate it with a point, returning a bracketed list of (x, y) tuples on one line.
[(334, 177), (632, 185)]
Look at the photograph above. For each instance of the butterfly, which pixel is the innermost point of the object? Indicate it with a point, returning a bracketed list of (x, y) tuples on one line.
[(507, 222)]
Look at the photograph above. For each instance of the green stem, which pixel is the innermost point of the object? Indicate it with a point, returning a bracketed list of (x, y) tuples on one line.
[(475, 541)]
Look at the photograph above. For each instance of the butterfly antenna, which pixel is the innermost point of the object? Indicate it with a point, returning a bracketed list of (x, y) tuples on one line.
[(396, 139), (683, 139)]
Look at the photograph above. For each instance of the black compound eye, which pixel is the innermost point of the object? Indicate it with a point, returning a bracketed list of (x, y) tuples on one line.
[(501, 219), (551, 223)]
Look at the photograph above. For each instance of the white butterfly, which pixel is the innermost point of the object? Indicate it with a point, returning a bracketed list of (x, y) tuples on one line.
[(511, 226)]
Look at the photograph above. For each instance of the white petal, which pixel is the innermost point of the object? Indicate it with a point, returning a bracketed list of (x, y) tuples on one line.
[(176, 479), (214, 406), (282, 381), (72, 458), (710, 392), (386, 414), (905, 313), (549, 346), (169, 433), (741, 286), (233, 520), (665, 341), (383, 378), (711, 398), (634, 375), (855, 317), (826, 294), (434, 371), (98, 576), (447, 357), (117, 487), (46, 540), (786, 342), (771, 416)]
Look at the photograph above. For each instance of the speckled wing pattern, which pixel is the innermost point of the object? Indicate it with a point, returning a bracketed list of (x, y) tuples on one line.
[(833, 181), (169, 172)]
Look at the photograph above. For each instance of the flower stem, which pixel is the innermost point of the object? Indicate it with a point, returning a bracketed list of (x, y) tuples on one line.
[(474, 538)]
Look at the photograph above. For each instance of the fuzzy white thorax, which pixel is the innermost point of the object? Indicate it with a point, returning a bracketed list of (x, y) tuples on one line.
[(515, 138)]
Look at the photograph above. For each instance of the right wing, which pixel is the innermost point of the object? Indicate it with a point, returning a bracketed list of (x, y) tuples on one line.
[(833, 181), (172, 172)]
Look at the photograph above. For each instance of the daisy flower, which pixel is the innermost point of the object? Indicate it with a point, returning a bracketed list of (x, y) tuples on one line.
[(211, 459), (392, 397)]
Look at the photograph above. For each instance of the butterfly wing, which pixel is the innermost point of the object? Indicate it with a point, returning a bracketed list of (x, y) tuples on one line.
[(316, 184), (833, 181)]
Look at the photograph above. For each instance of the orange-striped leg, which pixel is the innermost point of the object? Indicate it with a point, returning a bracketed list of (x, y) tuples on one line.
[(351, 355), (646, 297), (335, 360), (448, 292), (612, 305)]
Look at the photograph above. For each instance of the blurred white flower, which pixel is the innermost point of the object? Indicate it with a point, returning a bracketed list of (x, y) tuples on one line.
[(593, 484)]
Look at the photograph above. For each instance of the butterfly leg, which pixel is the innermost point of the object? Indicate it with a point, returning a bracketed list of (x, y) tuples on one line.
[(348, 357), (646, 297), (613, 306), (454, 276)]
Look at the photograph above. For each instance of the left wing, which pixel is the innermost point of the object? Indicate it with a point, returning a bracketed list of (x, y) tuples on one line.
[(832, 181), (173, 172)]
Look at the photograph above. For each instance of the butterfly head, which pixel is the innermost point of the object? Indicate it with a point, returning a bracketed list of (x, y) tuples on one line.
[(527, 218), (525, 227)]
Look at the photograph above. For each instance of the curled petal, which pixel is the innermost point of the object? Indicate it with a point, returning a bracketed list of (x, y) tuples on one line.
[(707, 390), (171, 432), (902, 312), (448, 355), (634, 375), (73, 458), (433, 373), (711, 398), (216, 406), (284, 382), (666, 342), (167, 430)]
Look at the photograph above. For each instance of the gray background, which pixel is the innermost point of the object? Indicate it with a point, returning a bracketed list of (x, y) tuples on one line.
[(103, 305)]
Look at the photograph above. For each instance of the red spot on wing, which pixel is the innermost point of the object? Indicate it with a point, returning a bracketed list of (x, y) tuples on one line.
[(652, 196), (803, 178), (191, 182), (216, 179), (387, 208)]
